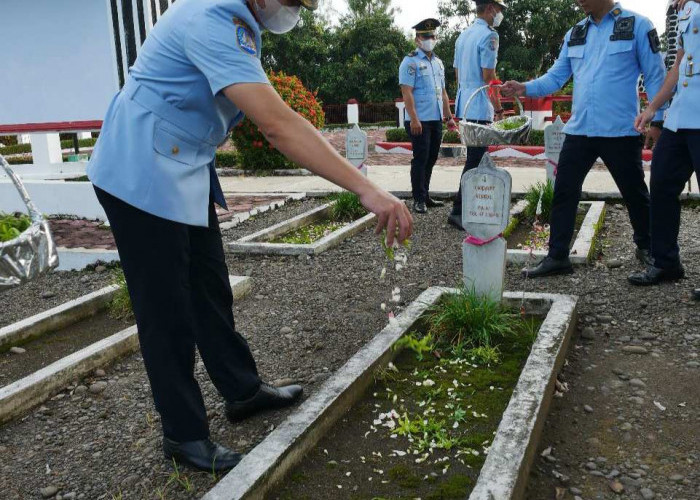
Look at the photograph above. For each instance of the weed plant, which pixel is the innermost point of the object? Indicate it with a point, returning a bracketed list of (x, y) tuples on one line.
[(120, 307), (545, 192), (466, 319)]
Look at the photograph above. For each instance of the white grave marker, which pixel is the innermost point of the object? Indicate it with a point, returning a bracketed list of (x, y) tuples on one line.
[(486, 193), (553, 143), (356, 150)]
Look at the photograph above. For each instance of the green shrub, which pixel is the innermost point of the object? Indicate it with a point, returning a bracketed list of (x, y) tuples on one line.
[(397, 135), (253, 150), (467, 319), (8, 140), (11, 226), (226, 159), (545, 192), (27, 148), (347, 207), (536, 138)]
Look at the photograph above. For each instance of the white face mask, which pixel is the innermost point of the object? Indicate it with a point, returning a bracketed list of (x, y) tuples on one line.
[(277, 18), (498, 19), (428, 45)]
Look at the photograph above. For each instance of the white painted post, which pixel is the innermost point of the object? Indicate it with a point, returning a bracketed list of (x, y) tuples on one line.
[(23, 139), (356, 149), (353, 112), (84, 135), (46, 148), (401, 106), (553, 143), (486, 194)]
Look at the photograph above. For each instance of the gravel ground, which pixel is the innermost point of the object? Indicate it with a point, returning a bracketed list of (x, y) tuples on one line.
[(49, 291), (107, 445)]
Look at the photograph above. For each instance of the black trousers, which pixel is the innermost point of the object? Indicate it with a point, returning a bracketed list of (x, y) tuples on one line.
[(181, 297), (676, 156), (474, 157), (426, 149), (623, 158)]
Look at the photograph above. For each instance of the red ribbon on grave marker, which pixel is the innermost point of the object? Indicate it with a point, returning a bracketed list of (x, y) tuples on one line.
[(556, 166), (478, 242)]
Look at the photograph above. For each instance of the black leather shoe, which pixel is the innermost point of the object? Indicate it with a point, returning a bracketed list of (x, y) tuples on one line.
[(549, 266), (696, 294), (456, 221), (644, 256), (204, 454), (430, 203), (267, 398), (655, 275), (419, 207)]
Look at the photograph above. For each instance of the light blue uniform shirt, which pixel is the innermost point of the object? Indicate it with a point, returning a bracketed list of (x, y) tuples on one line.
[(427, 77), (606, 60), (161, 131), (684, 112), (476, 49)]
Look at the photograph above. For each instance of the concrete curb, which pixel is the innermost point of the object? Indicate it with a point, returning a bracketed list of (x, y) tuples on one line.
[(242, 217), (285, 447), (20, 396), (256, 243), (59, 317), (76, 259), (581, 251)]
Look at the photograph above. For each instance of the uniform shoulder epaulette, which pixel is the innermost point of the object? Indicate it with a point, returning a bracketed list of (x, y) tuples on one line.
[(413, 54)]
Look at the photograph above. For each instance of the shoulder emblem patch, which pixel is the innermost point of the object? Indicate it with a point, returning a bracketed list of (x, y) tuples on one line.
[(654, 41), (412, 69), (245, 37), (494, 43)]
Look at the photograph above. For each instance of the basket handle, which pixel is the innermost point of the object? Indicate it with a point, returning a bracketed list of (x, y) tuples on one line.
[(34, 212), (481, 89)]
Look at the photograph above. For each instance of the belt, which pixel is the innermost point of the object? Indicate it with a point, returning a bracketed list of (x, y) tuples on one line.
[(153, 102)]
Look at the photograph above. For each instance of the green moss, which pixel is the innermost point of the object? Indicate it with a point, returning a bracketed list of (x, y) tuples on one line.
[(403, 476), (454, 487), (309, 234)]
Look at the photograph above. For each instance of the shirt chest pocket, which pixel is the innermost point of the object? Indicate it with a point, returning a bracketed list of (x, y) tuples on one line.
[(173, 147), (576, 53), (621, 50)]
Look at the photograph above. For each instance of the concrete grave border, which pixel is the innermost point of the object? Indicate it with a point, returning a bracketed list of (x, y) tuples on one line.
[(56, 318), (23, 394), (505, 473), (257, 243), (584, 245)]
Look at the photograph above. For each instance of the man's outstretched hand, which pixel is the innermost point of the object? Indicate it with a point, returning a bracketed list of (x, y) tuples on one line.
[(512, 88), (392, 214)]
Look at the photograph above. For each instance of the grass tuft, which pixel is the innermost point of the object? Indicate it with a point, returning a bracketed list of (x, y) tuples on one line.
[(120, 307), (544, 191), (347, 207), (467, 319)]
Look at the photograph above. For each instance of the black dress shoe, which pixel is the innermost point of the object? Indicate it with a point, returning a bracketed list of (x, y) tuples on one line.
[(419, 207), (204, 454), (456, 221), (267, 398), (430, 203), (549, 266), (655, 275), (696, 294), (644, 256)]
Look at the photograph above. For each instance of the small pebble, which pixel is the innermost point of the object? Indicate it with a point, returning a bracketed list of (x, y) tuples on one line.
[(98, 387), (587, 409), (48, 492), (17, 350)]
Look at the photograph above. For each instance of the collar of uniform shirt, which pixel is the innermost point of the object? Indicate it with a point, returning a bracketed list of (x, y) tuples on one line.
[(422, 53), (616, 7), (481, 21)]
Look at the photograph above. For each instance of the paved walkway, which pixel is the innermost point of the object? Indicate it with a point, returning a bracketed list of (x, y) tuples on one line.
[(397, 178)]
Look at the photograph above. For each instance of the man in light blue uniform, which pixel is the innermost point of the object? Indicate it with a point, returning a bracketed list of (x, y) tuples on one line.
[(422, 80), (197, 73), (476, 56), (677, 154), (605, 53)]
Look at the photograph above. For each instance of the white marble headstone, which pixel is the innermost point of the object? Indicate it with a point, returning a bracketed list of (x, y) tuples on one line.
[(553, 143), (486, 193), (356, 150)]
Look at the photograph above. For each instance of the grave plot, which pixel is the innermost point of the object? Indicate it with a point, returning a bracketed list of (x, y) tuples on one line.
[(310, 233), (42, 354), (527, 238), (437, 405)]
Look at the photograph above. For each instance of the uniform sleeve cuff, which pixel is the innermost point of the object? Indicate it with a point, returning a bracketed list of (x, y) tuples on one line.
[(531, 89)]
